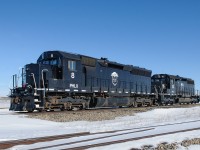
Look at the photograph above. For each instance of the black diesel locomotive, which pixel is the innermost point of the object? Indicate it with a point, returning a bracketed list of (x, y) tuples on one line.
[(173, 89), (70, 81)]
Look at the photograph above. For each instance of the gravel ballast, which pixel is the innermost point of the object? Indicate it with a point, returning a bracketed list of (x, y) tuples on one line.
[(87, 115)]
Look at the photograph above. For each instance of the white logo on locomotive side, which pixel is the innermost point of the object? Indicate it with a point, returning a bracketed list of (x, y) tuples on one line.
[(114, 76)]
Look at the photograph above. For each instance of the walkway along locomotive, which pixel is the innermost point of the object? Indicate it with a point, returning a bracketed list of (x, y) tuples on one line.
[(67, 81)]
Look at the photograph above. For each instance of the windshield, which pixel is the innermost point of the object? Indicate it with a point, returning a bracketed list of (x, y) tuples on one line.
[(21, 78), (159, 80)]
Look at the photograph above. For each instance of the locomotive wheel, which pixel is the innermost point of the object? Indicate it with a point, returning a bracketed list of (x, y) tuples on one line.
[(49, 110), (40, 110), (69, 108), (30, 111), (81, 107), (150, 104), (135, 104), (62, 108)]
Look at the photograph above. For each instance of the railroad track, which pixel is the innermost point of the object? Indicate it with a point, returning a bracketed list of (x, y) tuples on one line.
[(9, 144), (89, 140), (121, 141)]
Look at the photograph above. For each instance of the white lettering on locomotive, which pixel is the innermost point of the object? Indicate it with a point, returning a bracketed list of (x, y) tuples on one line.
[(72, 75), (114, 76), (74, 86)]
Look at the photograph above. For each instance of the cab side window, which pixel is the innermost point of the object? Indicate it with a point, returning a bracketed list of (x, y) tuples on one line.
[(72, 65)]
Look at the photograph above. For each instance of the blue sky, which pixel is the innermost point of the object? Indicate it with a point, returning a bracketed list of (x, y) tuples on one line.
[(160, 35)]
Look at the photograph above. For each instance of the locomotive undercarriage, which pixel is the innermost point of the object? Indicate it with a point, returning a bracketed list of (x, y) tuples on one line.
[(165, 99), (76, 101), (64, 101), (187, 100), (48, 103), (95, 100)]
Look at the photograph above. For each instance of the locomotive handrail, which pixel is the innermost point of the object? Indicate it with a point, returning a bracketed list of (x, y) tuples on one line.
[(35, 89), (44, 70)]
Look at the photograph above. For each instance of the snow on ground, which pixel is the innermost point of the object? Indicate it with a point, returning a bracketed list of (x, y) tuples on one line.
[(4, 103), (192, 147), (17, 126)]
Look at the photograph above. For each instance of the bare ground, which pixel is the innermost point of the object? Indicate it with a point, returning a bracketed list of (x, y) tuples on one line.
[(95, 114)]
